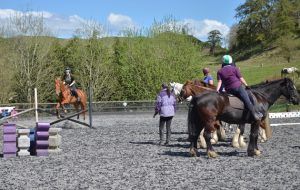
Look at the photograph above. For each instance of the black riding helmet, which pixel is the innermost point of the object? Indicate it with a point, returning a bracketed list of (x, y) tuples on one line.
[(67, 70)]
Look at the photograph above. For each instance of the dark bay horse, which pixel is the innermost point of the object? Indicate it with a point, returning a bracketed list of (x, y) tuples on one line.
[(209, 107), (191, 88), (64, 95)]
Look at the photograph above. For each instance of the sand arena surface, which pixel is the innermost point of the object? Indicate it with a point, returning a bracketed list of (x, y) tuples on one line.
[(122, 152)]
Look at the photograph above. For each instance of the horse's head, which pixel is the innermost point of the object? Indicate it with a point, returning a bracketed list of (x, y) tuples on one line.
[(187, 90), (176, 87), (290, 92), (58, 86)]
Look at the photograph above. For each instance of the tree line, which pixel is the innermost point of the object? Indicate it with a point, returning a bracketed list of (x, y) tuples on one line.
[(117, 68), (132, 66), (264, 25)]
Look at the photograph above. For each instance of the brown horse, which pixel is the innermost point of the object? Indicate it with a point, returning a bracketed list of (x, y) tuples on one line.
[(191, 88), (208, 108), (64, 95)]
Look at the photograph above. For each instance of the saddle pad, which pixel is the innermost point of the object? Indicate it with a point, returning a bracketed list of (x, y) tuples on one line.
[(235, 102)]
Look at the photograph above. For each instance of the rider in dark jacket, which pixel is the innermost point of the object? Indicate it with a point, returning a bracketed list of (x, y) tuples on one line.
[(70, 80)]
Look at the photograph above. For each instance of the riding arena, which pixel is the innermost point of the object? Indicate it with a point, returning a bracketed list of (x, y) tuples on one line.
[(120, 150)]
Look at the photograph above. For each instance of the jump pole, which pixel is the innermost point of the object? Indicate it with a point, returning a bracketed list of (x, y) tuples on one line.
[(36, 106)]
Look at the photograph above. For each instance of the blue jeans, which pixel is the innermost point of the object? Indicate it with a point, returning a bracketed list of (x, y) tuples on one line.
[(242, 94)]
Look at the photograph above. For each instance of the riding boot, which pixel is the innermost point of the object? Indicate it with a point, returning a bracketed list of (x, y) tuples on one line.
[(256, 115), (76, 96)]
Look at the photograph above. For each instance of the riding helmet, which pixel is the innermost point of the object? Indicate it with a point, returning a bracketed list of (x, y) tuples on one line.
[(67, 69), (227, 59)]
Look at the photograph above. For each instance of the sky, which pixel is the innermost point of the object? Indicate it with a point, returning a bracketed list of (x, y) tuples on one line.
[(63, 17)]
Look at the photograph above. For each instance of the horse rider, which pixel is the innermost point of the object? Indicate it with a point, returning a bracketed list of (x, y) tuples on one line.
[(208, 79), (70, 81), (232, 80)]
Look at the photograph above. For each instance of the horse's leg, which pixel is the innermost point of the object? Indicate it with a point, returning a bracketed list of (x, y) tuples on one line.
[(252, 146), (214, 137), (262, 135), (76, 108), (235, 138), (207, 135), (221, 134), (193, 137), (57, 108), (242, 143), (265, 124), (201, 141)]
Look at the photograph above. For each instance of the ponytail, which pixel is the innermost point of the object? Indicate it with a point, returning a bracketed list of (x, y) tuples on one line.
[(168, 91)]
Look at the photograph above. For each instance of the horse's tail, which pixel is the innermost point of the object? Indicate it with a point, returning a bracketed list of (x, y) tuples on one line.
[(193, 120)]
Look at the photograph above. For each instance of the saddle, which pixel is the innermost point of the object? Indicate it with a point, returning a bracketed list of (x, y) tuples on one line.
[(237, 103)]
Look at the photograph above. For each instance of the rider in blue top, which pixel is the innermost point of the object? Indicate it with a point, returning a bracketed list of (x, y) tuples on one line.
[(207, 77)]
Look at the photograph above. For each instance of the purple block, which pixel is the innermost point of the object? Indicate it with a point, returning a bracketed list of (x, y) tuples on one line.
[(42, 135), (9, 147), (9, 155), (42, 126), (9, 129), (42, 144), (9, 137), (42, 152), (9, 124)]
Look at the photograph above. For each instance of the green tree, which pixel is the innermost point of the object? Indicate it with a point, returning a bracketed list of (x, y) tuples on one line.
[(214, 40), (254, 22)]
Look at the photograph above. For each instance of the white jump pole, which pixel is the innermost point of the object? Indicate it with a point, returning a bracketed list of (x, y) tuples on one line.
[(36, 106)]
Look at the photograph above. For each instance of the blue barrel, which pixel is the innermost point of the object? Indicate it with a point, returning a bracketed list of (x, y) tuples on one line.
[(32, 142)]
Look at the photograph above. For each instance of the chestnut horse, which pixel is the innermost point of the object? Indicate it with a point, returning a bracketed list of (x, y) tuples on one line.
[(64, 95), (210, 107), (191, 88)]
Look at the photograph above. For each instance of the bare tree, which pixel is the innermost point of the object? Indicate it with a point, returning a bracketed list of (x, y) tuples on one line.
[(96, 68), (30, 48)]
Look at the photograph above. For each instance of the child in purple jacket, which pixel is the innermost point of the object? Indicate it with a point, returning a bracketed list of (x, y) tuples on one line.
[(166, 107)]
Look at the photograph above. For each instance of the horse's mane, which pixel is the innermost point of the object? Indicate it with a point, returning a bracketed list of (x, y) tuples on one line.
[(201, 83), (265, 83)]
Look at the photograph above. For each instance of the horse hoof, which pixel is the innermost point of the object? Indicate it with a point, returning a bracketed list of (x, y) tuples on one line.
[(257, 152), (212, 154), (243, 145), (193, 152), (213, 141), (254, 152), (235, 145)]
